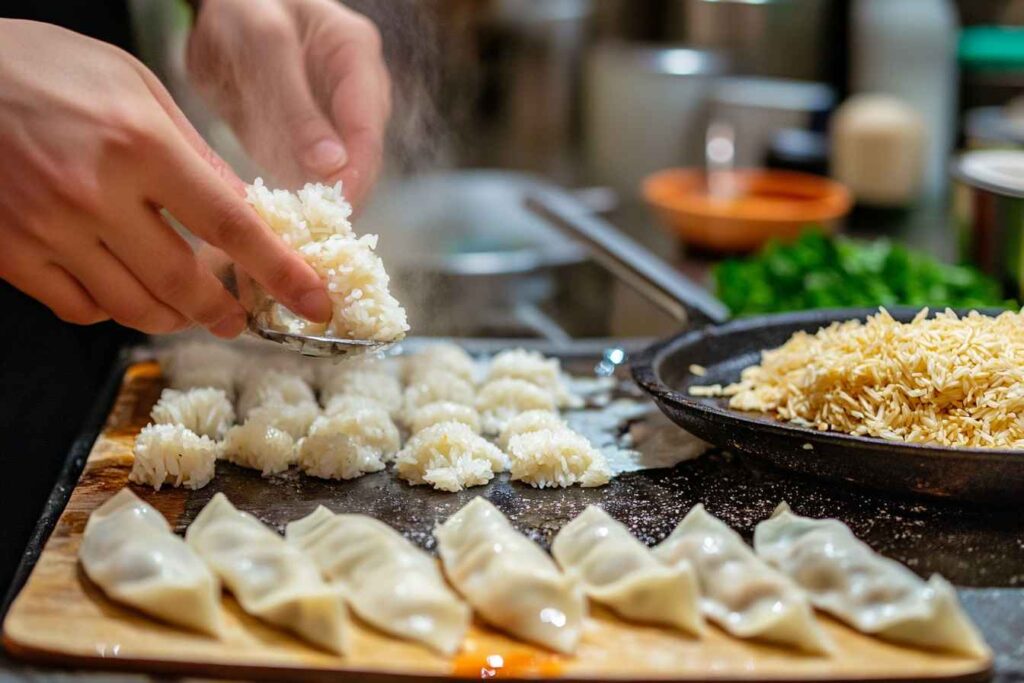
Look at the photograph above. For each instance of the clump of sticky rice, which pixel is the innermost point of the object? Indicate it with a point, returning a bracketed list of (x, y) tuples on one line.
[(950, 380), (449, 456), (294, 418), (207, 411), (444, 411), (198, 364), (273, 387), (556, 458), (363, 306), (340, 403), (347, 445), (534, 368), (172, 454), (315, 212), (259, 445), (260, 363), (445, 357), (434, 386), (530, 421), (328, 372), (502, 399), (381, 387)]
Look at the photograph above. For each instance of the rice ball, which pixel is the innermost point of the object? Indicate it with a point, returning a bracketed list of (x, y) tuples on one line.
[(450, 457), (348, 445), (172, 454), (501, 400), (556, 458), (435, 386), (444, 411), (445, 357), (294, 418), (259, 445), (533, 367), (199, 364), (273, 386), (207, 412), (282, 362), (381, 387), (530, 421)]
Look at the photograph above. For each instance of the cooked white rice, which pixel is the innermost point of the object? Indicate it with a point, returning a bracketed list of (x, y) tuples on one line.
[(328, 372), (207, 412), (444, 411), (315, 223), (530, 421), (501, 400), (341, 403), (259, 445), (556, 458), (534, 368), (172, 454), (342, 446), (446, 357), (381, 387), (271, 387), (294, 418), (947, 380), (313, 213), (258, 364), (199, 364), (434, 386), (450, 457)]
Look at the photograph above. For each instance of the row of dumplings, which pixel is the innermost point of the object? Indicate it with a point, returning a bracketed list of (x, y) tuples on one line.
[(444, 399), (328, 563)]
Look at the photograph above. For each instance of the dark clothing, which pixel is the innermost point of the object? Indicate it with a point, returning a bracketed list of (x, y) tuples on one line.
[(50, 371)]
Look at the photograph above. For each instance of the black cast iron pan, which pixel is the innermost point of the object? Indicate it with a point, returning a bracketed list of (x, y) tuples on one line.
[(724, 348)]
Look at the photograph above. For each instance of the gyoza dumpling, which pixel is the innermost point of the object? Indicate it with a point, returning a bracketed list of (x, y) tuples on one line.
[(346, 445), (449, 456), (388, 581), (739, 591), (444, 411), (271, 579), (447, 358), (619, 571), (530, 421), (501, 400), (876, 595), (433, 386), (259, 445), (130, 552), (207, 411), (556, 458), (172, 454), (508, 579), (533, 367), (273, 386)]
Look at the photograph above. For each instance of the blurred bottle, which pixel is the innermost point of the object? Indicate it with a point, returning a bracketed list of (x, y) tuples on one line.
[(908, 48)]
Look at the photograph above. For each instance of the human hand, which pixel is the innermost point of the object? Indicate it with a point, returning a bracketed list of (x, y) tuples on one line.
[(93, 148), (302, 83)]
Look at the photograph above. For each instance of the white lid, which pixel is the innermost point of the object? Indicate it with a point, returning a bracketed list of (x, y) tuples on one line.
[(997, 170)]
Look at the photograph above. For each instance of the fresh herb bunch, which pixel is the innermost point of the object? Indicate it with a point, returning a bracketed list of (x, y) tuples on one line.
[(818, 271)]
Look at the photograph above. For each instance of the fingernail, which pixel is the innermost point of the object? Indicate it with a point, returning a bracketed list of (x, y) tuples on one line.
[(315, 305), (326, 156), (230, 327)]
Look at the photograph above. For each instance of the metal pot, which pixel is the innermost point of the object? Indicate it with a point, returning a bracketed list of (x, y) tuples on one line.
[(988, 203)]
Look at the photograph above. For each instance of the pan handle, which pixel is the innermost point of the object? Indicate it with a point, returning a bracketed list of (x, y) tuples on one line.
[(629, 261)]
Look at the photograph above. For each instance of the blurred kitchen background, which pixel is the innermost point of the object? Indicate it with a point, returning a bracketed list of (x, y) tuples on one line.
[(736, 139)]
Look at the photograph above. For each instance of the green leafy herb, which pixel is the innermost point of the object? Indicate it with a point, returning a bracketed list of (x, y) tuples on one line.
[(817, 271)]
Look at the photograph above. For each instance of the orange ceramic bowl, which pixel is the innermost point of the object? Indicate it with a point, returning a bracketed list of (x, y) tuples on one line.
[(766, 204)]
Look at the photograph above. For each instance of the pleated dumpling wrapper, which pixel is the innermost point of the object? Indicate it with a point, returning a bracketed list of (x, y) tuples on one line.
[(388, 581), (843, 576), (272, 580), (130, 552), (617, 570), (739, 591), (509, 580)]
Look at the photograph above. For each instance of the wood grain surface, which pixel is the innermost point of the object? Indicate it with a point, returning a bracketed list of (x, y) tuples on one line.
[(60, 617)]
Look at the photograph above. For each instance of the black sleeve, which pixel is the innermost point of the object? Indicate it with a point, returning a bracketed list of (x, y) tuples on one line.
[(106, 20)]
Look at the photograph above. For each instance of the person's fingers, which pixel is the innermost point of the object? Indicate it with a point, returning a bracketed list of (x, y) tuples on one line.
[(164, 263), (29, 271), (186, 186), (118, 292)]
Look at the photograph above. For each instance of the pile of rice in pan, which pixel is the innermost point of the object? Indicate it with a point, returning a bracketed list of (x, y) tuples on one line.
[(944, 380)]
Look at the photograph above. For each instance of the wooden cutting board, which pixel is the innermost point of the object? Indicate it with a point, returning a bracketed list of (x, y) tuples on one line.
[(60, 617)]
